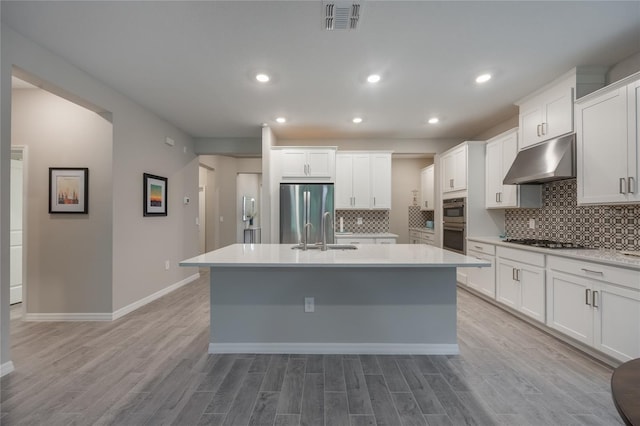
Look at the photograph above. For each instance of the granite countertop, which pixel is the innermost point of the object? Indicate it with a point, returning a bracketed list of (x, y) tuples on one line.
[(366, 235), (367, 255), (603, 256)]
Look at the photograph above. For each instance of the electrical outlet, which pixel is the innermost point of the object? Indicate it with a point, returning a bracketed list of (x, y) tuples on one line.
[(167, 265), (532, 224), (359, 221), (309, 304)]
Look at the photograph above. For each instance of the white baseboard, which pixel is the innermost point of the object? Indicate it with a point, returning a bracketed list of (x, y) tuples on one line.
[(6, 368), (72, 316), (138, 304), (335, 348), (51, 317)]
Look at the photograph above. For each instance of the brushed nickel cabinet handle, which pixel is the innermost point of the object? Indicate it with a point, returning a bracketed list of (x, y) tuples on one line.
[(587, 293), (544, 129), (497, 200), (513, 274), (631, 185), (622, 185), (595, 299), (478, 247), (538, 130)]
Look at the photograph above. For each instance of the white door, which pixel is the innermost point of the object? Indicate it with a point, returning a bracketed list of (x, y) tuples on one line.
[(381, 181), (493, 180), (559, 114), (507, 288), (361, 174), (569, 308), (531, 281), (344, 181), (617, 321), (15, 269)]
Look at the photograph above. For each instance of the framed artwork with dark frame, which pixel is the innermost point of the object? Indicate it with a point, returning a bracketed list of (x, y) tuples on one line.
[(69, 190), (155, 195)]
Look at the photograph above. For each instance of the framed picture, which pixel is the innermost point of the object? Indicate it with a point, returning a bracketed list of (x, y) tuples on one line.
[(155, 195), (68, 190)]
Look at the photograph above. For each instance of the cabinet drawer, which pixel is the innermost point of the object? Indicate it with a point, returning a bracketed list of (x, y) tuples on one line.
[(355, 240), (481, 247), (595, 271), (531, 258), (385, 240)]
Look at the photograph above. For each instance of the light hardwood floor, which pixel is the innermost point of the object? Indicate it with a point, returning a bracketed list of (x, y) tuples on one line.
[(152, 368)]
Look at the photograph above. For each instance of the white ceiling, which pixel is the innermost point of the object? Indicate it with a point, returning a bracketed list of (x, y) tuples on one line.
[(193, 63)]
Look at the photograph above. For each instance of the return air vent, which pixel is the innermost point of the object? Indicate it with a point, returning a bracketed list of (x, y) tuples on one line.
[(341, 15)]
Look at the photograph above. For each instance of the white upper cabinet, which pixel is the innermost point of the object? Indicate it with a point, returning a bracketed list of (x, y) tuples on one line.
[(548, 113), (608, 123), (381, 180), (454, 170), (501, 151), (547, 116), (352, 181), (363, 180), (427, 188), (308, 163)]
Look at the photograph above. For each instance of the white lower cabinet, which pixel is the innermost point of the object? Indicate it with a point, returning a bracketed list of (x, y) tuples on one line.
[(520, 281), (482, 280), (419, 236), (597, 305)]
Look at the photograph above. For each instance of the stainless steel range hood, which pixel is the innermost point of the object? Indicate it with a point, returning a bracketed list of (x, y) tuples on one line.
[(552, 160)]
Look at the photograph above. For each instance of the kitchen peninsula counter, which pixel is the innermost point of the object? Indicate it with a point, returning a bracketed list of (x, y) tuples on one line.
[(393, 299)]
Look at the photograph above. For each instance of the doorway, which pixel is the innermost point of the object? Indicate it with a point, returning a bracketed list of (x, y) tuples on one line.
[(16, 222)]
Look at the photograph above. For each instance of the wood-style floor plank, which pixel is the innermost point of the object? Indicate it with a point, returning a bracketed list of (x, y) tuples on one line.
[(151, 367)]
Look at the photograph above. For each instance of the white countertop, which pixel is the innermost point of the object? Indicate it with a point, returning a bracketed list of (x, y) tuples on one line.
[(366, 255), (603, 256), (365, 235)]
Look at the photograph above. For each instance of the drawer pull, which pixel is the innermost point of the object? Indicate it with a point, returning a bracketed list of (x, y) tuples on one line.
[(623, 186), (478, 247), (591, 271), (595, 299), (587, 293)]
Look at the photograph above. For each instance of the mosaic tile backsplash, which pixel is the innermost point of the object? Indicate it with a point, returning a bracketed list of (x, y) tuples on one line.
[(560, 218), (373, 221), (418, 218)]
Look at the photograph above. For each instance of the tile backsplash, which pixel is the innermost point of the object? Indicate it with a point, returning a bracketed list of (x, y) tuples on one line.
[(373, 221), (418, 218), (560, 218)]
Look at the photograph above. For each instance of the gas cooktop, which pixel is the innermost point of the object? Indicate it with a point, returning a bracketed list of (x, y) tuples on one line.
[(544, 243)]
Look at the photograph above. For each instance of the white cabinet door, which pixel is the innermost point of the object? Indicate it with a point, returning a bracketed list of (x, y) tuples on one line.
[(427, 188), (633, 147), (385, 240), (454, 170), (493, 179), (381, 180), (361, 182), (558, 108), (569, 301), (482, 279), (294, 163), (617, 321), (602, 140), (531, 117), (320, 163), (507, 289), (532, 293), (509, 193), (344, 181)]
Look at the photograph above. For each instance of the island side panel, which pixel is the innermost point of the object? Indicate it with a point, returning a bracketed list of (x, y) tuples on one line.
[(357, 310)]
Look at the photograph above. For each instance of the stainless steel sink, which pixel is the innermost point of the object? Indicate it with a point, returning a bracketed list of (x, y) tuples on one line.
[(329, 246)]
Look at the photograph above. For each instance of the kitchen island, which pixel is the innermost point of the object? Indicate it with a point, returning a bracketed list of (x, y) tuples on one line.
[(377, 299)]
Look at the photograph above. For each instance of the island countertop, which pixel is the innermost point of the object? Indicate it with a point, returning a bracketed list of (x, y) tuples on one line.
[(366, 255)]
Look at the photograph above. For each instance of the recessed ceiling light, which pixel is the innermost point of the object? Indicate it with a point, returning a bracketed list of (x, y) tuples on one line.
[(373, 78), (262, 78), (434, 120), (357, 120), (281, 120), (483, 78)]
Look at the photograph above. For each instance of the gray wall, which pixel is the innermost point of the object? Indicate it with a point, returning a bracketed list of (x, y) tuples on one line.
[(68, 257), (140, 245), (398, 146)]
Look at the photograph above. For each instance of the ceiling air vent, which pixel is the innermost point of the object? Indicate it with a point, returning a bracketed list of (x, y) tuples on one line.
[(341, 15)]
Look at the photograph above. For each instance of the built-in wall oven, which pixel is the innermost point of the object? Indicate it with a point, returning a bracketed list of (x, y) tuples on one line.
[(454, 236)]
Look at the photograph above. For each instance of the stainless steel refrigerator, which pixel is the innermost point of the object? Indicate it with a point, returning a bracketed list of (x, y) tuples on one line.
[(302, 203)]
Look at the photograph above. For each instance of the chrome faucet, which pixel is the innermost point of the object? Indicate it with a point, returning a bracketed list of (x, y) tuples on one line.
[(305, 234), (325, 229)]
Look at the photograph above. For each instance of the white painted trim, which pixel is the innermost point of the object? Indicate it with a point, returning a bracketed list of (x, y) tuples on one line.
[(72, 316), (336, 348), (6, 368), (15, 293), (135, 305), (51, 317)]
